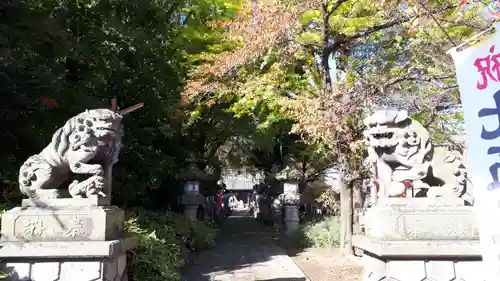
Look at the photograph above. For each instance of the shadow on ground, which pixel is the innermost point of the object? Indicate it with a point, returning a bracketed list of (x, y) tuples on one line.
[(244, 248), (286, 279), (293, 245), (319, 232)]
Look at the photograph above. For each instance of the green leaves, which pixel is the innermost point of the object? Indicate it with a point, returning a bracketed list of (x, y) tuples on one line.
[(82, 54), (161, 236), (309, 38), (310, 16)]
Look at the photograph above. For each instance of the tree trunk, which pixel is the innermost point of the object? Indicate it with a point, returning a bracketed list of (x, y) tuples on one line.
[(357, 195), (346, 215)]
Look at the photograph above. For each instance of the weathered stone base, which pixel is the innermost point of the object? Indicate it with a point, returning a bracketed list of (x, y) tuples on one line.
[(376, 269), (291, 218), (62, 223), (432, 260), (190, 211), (88, 270), (192, 199), (421, 219), (72, 261)]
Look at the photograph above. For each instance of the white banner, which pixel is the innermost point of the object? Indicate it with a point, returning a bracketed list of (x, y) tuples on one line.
[(478, 75)]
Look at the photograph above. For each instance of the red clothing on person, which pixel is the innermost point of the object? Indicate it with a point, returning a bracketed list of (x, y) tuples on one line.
[(219, 203)]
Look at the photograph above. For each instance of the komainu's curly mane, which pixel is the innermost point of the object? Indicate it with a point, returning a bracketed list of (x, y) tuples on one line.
[(400, 149), (72, 146)]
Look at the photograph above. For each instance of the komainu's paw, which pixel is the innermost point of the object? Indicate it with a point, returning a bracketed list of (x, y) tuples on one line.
[(95, 187), (74, 189)]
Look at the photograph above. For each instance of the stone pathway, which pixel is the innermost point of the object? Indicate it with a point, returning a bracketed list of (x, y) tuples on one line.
[(244, 252)]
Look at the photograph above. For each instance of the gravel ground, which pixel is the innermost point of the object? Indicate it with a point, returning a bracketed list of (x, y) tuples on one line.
[(327, 265)]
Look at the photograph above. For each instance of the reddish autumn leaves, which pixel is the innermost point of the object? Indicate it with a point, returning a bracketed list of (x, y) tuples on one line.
[(50, 102), (259, 25)]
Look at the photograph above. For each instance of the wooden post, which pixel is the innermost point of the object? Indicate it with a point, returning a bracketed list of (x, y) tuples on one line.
[(108, 167)]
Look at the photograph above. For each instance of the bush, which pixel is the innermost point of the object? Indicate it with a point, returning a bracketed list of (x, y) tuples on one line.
[(323, 233), (329, 202), (196, 235), (204, 236), (162, 236)]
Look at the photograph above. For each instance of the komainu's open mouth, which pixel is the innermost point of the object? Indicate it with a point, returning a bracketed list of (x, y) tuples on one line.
[(105, 129), (383, 135)]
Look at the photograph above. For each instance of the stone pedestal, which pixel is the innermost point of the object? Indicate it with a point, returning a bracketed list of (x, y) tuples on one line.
[(191, 201), (190, 211), (64, 239), (291, 204), (76, 261), (420, 239), (32, 223), (421, 219), (291, 218)]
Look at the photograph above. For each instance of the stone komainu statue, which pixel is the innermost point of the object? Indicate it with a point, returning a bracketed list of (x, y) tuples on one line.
[(400, 150), (88, 143)]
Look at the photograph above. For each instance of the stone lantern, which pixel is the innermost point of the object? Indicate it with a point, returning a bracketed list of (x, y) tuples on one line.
[(290, 199), (192, 187), (192, 198)]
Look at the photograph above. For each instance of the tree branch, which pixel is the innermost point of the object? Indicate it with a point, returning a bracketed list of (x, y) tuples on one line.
[(433, 116), (438, 24), (431, 79), (386, 25), (334, 7), (461, 23)]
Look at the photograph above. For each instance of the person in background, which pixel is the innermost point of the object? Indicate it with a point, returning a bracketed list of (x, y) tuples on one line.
[(228, 199), (220, 195), (210, 207), (252, 202), (233, 201)]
